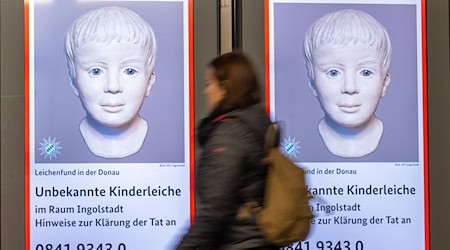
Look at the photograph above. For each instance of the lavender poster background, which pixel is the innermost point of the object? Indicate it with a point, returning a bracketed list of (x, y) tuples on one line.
[(300, 110), (58, 111)]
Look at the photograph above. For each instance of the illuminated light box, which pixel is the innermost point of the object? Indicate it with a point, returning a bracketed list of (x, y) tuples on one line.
[(348, 79), (109, 123)]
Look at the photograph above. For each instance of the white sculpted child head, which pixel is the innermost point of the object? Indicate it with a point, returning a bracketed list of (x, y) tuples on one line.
[(110, 53), (347, 55)]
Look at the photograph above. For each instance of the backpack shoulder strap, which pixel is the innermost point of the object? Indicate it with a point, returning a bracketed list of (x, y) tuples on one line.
[(272, 136)]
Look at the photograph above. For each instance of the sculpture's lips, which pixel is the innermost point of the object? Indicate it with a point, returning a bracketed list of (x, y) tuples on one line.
[(113, 108), (350, 108)]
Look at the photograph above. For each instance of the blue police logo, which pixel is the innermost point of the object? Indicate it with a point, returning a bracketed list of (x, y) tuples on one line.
[(50, 148), (290, 147)]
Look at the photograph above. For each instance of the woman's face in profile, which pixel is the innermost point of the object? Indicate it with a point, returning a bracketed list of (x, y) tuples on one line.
[(212, 91)]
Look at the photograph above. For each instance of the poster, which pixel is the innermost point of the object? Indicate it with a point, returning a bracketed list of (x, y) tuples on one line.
[(348, 81), (108, 123)]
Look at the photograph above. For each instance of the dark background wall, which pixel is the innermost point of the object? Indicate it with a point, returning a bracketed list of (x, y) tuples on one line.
[(205, 48), (439, 121), (12, 124)]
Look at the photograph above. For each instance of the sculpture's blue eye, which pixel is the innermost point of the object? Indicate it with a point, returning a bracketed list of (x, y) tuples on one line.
[(95, 72), (130, 71), (366, 72), (333, 73)]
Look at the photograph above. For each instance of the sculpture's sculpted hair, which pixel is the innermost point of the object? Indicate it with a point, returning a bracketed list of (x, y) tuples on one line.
[(342, 28), (106, 25)]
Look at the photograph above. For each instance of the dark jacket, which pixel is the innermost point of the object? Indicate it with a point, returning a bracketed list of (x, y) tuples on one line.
[(228, 174)]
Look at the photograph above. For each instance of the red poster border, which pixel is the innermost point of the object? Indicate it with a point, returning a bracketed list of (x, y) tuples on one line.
[(425, 123), (27, 116), (191, 110), (27, 124), (424, 101)]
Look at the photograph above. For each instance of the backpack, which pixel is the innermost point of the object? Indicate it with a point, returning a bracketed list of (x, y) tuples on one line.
[(285, 217)]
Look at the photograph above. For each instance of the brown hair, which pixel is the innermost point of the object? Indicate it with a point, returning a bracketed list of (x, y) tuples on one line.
[(237, 76)]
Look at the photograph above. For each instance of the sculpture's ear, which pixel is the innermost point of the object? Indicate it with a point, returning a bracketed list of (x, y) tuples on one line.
[(74, 87), (312, 88), (386, 82), (151, 81)]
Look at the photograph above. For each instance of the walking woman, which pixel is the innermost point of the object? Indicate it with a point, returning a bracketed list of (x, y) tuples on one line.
[(229, 172)]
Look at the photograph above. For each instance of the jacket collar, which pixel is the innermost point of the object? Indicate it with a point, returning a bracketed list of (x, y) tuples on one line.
[(208, 124)]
